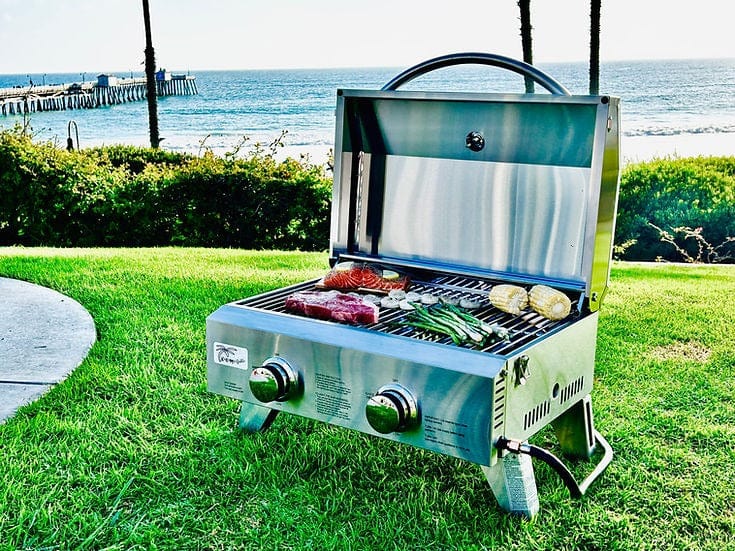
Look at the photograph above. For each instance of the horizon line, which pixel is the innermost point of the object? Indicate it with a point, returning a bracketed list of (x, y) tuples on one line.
[(93, 74)]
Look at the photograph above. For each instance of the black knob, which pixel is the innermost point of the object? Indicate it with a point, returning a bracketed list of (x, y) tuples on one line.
[(475, 141)]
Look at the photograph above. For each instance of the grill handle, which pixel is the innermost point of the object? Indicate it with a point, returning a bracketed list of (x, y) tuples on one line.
[(478, 58)]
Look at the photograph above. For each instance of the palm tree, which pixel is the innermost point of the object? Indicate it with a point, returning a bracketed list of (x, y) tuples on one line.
[(150, 76), (525, 7), (595, 8)]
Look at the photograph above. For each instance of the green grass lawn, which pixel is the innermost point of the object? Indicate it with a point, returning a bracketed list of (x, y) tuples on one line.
[(132, 452)]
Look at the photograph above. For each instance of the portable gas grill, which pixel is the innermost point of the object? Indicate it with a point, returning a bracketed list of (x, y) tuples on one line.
[(462, 191)]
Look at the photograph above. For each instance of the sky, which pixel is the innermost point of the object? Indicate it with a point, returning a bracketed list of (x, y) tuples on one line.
[(53, 36)]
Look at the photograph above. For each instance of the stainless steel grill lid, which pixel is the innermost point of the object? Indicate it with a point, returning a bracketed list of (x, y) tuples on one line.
[(490, 185)]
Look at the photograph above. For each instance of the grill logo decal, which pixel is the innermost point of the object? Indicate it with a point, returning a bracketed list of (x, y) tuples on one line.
[(228, 354)]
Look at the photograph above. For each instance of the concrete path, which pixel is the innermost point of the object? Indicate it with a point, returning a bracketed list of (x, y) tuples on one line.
[(44, 336)]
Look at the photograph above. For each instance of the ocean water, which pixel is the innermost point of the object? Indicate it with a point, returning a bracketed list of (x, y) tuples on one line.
[(681, 107)]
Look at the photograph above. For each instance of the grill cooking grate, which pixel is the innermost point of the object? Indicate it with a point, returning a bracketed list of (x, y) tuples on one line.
[(522, 329)]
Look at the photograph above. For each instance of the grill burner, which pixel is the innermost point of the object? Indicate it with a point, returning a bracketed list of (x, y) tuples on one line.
[(461, 192)]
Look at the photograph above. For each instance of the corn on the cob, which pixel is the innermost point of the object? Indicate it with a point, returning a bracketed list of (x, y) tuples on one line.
[(548, 302), (509, 298)]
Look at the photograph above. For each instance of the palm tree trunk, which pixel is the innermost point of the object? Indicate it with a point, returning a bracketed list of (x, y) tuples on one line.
[(525, 6), (150, 76), (595, 8)]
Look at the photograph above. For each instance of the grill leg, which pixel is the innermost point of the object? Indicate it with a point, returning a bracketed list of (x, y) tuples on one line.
[(514, 484), (254, 418), (575, 429)]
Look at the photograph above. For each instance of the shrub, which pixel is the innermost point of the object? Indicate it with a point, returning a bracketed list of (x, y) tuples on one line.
[(675, 193), (135, 159), (51, 196), (253, 203), (131, 196)]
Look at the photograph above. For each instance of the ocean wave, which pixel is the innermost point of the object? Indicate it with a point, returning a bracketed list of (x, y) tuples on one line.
[(658, 131)]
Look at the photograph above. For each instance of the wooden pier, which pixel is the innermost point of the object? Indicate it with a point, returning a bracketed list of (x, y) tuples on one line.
[(106, 91)]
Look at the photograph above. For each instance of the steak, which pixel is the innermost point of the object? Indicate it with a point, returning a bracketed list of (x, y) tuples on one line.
[(332, 305)]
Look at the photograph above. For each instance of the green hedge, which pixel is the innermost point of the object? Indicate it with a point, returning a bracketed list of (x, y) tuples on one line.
[(133, 196), (49, 196), (670, 193), (141, 197)]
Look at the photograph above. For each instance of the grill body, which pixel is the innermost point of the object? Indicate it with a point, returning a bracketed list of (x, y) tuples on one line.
[(463, 192), (463, 393)]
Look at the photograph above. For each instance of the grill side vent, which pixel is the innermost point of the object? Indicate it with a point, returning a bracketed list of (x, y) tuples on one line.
[(536, 414), (572, 389), (499, 404)]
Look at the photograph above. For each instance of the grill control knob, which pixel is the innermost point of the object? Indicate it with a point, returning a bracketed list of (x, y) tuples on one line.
[(275, 380), (392, 409)]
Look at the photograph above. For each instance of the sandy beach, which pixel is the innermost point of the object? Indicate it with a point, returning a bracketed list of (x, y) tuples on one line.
[(645, 148)]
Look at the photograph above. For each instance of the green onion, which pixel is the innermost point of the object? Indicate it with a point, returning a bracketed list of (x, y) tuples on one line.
[(449, 320)]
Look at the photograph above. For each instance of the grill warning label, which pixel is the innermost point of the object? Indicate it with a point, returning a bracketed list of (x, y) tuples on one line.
[(446, 433), (332, 396), (332, 406), (329, 383)]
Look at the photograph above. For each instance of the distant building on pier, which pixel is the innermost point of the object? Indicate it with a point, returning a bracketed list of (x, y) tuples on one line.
[(106, 80)]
